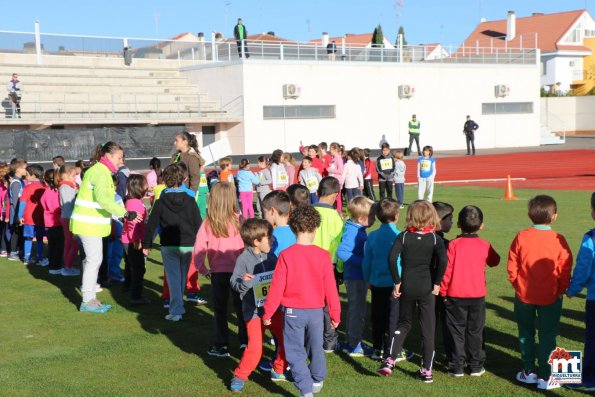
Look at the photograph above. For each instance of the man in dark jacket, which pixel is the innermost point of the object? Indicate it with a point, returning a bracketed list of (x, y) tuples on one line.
[(241, 35), (469, 131)]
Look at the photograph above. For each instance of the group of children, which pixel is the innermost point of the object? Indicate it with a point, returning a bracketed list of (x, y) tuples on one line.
[(283, 272)]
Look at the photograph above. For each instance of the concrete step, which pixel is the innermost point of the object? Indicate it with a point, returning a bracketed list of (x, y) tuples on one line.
[(28, 80), (104, 89), (107, 98), (73, 108), (29, 70)]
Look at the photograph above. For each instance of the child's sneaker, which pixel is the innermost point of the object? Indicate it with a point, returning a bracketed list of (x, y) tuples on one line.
[(376, 355), (457, 373), (333, 349), (526, 377), (196, 299), (275, 377), (403, 356), (218, 351), (317, 387), (360, 350), (55, 271), (386, 368), (265, 365), (14, 257), (166, 303), (98, 288), (29, 262), (478, 372), (173, 317), (425, 375), (237, 385), (72, 272), (43, 262), (94, 307), (547, 384), (3, 254)]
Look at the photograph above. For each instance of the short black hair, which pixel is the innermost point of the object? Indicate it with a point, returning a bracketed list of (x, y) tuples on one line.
[(298, 194), (385, 146), (470, 219), (328, 185), (255, 229), (279, 200), (443, 209), (387, 210)]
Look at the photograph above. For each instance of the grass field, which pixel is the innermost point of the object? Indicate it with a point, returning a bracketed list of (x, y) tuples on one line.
[(48, 348)]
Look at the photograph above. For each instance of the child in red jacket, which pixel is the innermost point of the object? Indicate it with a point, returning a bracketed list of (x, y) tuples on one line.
[(303, 283), (464, 289), (539, 266), (31, 215)]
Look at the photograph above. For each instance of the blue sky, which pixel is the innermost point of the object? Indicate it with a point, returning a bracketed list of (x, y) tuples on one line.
[(425, 21)]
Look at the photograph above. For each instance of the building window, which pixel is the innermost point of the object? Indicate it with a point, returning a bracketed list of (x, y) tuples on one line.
[(506, 108), (298, 112)]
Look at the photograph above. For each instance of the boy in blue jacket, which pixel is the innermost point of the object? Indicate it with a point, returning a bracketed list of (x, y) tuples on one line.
[(584, 276), (351, 255)]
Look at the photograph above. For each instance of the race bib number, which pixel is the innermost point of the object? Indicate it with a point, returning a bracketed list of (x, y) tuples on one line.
[(386, 164), (425, 165), (283, 177), (312, 183), (203, 181), (261, 286)]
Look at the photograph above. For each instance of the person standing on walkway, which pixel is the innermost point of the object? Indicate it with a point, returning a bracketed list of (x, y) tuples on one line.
[(331, 50), (15, 90), (414, 126), (241, 35), (469, 130)]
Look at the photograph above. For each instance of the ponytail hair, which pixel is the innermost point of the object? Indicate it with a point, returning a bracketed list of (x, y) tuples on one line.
[(63, 170), (276, 156), (102, 150), (190, 138), (49, 178)]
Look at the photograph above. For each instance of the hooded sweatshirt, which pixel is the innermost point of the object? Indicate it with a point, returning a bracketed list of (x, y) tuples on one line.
[(177, 215)]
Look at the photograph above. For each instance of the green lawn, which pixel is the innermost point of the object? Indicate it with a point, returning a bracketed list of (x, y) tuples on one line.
[(48, 348)]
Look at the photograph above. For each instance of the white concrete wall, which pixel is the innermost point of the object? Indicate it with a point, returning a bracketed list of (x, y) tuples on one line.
[(561, 70), (564, 114), (368, 106)]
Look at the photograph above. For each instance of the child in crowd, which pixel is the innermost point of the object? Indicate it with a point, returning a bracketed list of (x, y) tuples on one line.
[(444, 211), (18, 171), (303, 283), (352, 177), (225, 174), (153, 175), (385, 166), (417, 286), (67, 190), (246, 181), (539, 266), (219, 241), (351, 255), (50, 202), (264, 182), (584, 276), (4, 204), (289, 164), (132, 237), (325, 157), (276, 206), (176, 214), (280, 179), (464, 289), (328, 237), (316, 162), (376, 273), (203, 189), (255, 260), (426, 172), (80, 166), (31, 215), (335, 169), (368, 180), (298, 195), (57, 162), (399, 177), (310, 178)]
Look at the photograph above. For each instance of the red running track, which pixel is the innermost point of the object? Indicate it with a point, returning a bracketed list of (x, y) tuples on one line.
[(552, 170)]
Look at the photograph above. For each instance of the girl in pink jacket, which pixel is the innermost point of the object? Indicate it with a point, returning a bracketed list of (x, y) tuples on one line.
[(52, 214)]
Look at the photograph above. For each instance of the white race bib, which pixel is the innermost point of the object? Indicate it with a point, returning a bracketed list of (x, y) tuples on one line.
[(386, 164), (425, 165), (261, 286)]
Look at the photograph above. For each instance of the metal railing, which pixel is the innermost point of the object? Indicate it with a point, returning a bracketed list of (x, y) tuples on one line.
[(216, 50)]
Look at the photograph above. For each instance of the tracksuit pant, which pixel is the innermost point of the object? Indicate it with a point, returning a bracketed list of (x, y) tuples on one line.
[(221, 290), (55, 246), (357, 291), (93, 247), (350, 194), (385, 188), (247, 199), (465, 319), (253, 352), (134, 270), (425, 185), (400, 192), (176, 263), (71, 244), (369, 189), (427, 319), (545, 320), (302, 338), (380, 315)]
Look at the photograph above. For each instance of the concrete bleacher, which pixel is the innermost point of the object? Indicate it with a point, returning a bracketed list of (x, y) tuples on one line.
[(85, 89)]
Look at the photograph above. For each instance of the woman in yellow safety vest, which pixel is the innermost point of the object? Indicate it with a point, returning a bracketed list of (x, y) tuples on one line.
[(92, 217)]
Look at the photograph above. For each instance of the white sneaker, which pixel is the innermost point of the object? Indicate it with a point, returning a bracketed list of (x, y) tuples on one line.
[(98, 288), (548, 384), (526, 377), (317, 387), (173, 317)]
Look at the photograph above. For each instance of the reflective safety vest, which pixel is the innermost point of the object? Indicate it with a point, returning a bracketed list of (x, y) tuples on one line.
[(414, 127), (95, 204)]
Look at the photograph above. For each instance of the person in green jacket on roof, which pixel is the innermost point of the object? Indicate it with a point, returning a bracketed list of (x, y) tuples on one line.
[(241, 35), (91, 218)]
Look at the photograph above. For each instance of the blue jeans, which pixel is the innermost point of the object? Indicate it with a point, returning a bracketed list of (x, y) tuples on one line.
[(350, 194), (304, 328), (400, 188), (176, 264), (30, 231), (357, 291)]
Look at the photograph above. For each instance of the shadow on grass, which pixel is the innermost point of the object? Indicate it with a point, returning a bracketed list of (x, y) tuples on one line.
[(69, 286), (194, 334)]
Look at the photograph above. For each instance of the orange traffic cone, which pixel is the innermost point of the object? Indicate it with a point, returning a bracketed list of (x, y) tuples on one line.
[(508, 194)]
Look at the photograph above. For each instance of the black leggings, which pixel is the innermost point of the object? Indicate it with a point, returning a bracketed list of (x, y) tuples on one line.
[(55, 246), (385, 186), (369, 189), (134, 270), (383, 305), (427, 319)]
